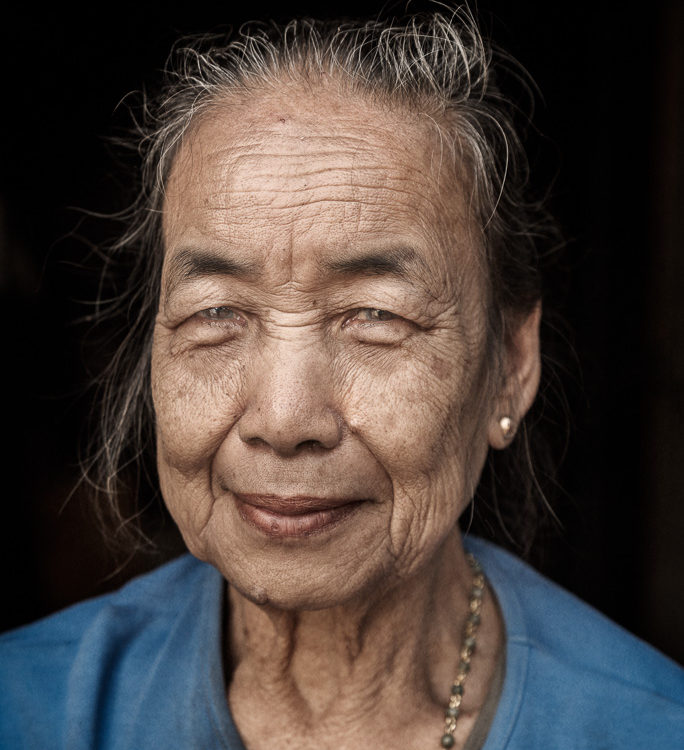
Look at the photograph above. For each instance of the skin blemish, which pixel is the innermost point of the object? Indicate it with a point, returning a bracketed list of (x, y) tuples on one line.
[(440, 367), (258, 595)]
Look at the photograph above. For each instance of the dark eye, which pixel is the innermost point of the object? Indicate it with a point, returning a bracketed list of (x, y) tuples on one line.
[(374, 315), (372, 325), (219, 313)]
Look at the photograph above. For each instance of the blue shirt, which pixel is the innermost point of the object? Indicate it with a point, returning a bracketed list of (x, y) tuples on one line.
[(142, 668)]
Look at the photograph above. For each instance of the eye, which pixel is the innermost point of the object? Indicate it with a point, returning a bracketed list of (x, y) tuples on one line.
[(215, 326), (374, 315), (220, 313), (372, 325)]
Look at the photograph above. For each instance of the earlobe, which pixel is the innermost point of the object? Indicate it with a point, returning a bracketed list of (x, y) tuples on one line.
[(501, 431), (522, 371)]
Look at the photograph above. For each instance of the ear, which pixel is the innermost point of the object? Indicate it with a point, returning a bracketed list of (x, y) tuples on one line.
[(522, 370)]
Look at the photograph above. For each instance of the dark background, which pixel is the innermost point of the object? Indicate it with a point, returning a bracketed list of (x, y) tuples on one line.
[(612, 115)]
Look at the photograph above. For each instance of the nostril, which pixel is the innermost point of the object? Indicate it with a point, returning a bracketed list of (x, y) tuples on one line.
[(309, 444), (300, 447), (257, 442)]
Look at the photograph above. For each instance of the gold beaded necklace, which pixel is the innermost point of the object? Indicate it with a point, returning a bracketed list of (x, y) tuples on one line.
[(467, 648)]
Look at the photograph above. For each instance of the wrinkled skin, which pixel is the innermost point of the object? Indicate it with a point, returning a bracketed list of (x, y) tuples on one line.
[(286, 363)]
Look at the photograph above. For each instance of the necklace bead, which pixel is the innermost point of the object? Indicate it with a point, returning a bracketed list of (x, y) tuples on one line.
[(467, 648)]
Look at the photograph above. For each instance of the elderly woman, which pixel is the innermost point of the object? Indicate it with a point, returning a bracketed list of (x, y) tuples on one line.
[(338, 319)]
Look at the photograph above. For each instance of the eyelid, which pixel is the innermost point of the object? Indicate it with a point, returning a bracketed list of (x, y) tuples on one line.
[(391, 331), (221, 313), (373, 310)]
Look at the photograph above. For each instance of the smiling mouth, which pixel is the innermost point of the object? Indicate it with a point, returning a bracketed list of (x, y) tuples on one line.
[(294, 516)]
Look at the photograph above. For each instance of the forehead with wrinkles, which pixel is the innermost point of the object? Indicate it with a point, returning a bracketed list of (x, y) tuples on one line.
[(288, 166)]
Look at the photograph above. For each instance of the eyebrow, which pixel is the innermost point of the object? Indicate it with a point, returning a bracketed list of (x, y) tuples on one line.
[(397, 261), (192, 264)]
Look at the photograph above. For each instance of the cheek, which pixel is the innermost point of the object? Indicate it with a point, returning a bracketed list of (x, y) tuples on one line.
[(196, 398), (419, 412), (196, 402), (422, 422)]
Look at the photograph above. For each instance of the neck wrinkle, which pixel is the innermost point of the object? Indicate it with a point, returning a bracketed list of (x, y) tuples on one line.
[(398, 648)]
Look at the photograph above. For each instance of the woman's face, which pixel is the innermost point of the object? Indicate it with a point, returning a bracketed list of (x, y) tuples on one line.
[(320, 374)]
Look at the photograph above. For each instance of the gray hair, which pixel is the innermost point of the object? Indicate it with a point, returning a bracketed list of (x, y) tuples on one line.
[(436, 63)]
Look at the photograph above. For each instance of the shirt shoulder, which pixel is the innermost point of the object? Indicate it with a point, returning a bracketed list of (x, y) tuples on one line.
[(63, 678), (572, 674)]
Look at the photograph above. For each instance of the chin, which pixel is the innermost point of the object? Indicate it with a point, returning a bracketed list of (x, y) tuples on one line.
[(300, 580)]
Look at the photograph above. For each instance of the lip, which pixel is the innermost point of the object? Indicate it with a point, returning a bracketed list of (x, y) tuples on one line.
[(294, 516)]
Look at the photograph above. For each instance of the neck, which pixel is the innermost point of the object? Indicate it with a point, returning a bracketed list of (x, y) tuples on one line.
[(372, 664)]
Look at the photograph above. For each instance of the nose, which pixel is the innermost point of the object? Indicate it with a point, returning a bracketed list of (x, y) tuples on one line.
[(288, 406)]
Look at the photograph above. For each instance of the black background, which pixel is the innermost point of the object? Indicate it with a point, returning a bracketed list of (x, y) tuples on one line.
[(612, 113)]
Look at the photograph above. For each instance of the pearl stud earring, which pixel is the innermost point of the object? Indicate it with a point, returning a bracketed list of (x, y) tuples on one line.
[(506, 424)]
